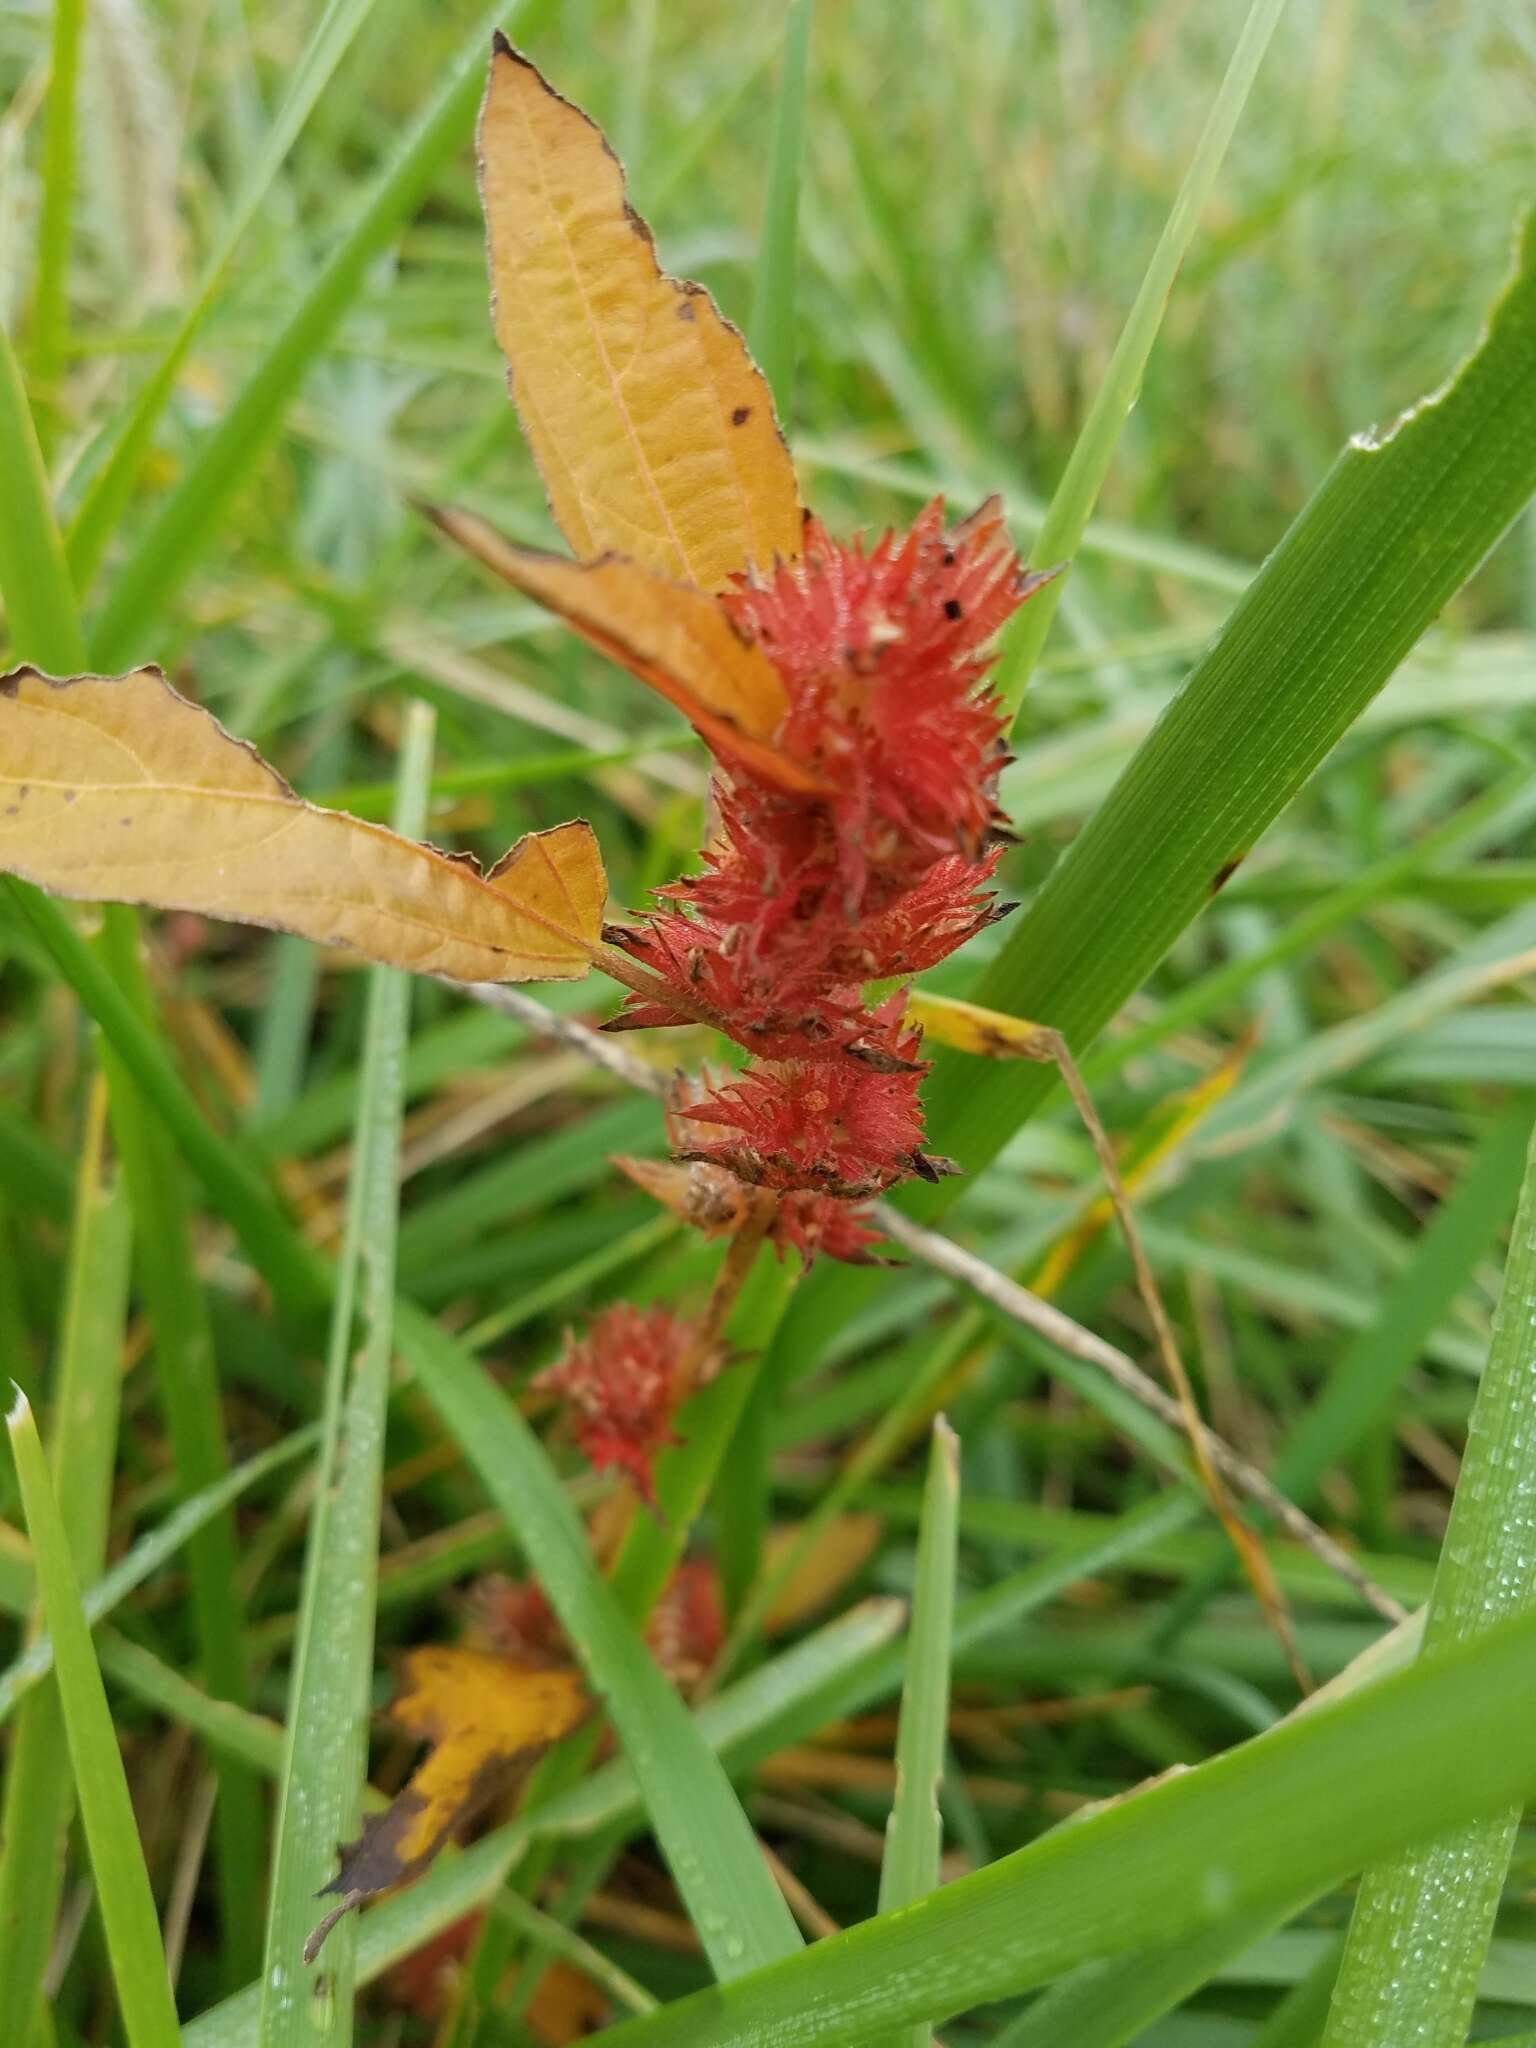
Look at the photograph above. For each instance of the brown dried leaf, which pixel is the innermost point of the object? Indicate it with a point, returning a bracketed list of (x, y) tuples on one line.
[(117, 788), (484, 1716), (672, 636), (842, 1550), (652, 426)]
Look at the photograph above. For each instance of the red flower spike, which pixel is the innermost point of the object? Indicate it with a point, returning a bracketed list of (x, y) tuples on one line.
[(848, 1127), (824, 1226), (879, 654), (622, 1383)]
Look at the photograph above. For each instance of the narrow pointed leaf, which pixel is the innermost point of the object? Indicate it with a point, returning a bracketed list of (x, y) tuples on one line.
[(670, 635), (118, 788)]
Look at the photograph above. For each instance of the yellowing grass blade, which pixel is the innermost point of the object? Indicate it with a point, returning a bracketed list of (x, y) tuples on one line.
[(672, 636), (116, 788), (651, 424)]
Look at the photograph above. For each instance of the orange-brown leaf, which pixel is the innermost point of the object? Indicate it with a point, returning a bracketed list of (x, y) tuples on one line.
[(670, 635), (484, 1716), (842, 1549), (652, 426), (116, 788)]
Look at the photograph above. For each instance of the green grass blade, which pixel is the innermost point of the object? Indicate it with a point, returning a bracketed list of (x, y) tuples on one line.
[(1395, 529), (56, 222), (326, 1757), (1423, 1921), (1414, 1753), (1104, 2005), (914, 1835), (186, 1375), (106, 1808), (708, 1841), (146, 1557), (1076, 495), (298, 1279), (174, 542), (771, 329), (39, 1795), (110, 488), (34, 580), (1361, 1383)]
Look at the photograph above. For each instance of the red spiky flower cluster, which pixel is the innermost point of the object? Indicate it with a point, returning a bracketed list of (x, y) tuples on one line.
[(621, 1383), (880, 869), (873, 860)]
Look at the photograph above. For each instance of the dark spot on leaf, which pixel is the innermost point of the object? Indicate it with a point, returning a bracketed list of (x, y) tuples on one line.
[(685, 310), (741, 415), (125, 821), (949, 558), (70, 795), (952, 608), (1225, 873)]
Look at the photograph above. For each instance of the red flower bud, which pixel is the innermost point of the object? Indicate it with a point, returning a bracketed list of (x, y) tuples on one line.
[(622, 1382)]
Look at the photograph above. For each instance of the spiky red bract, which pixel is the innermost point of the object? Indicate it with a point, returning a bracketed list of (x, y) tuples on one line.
[(825, 1226), (879, 653), (622, 1382), (880, 870), (835, 1126)]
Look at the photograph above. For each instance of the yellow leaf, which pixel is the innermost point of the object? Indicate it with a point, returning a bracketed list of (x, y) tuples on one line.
[(484, 1716), (652, 426), (115, 787), (967, 1027), (844, 1547), (672, 636)]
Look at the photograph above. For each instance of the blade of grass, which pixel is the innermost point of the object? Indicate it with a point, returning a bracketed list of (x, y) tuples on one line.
[(299, 1280), (914, 1835), (1071, 507), (39, 600), (186, 1375), (1212, 991), (326, 1753), (39, 1795), (1104, 2005), (1373, 1365), (123, 1893), (1419, 1751), (771, 328), (1397, 526), (56, 221), (110, 488), (174, 541), (1423, 1921), (145, 1557)]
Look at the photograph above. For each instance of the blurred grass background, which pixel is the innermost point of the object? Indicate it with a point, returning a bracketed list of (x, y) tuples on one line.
[(984, 184)]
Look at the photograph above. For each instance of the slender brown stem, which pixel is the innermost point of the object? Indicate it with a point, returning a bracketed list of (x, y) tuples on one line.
[(1054, 1049)]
